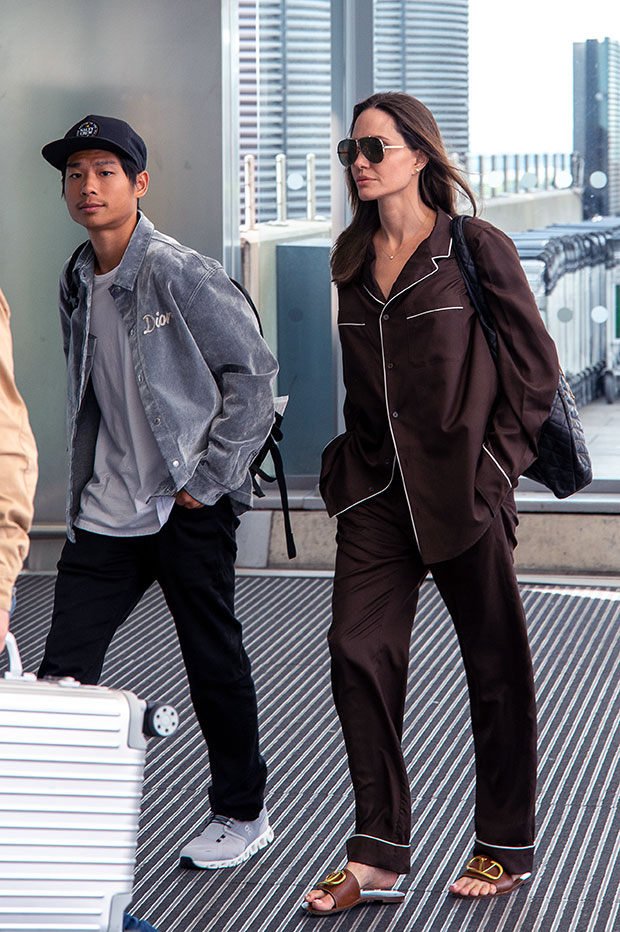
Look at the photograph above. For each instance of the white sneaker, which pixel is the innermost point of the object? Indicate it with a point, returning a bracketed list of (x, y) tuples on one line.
[(227, 842)]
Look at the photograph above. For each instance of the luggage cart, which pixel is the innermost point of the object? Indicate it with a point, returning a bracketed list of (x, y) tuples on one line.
[(611, 374)]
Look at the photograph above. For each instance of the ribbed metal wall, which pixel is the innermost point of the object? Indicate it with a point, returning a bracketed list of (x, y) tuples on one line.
[(422, 48), (248, 84), (285, 88), (613, 98)]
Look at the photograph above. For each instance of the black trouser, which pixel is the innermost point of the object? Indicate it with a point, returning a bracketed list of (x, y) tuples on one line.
[(378, 574), (101, 579)]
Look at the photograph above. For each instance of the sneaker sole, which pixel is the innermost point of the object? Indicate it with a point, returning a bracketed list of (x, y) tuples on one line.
[(257, 845)]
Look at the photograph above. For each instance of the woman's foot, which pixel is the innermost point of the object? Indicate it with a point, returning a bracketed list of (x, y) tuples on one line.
[(485, 877), (467, 886), (368, 877)]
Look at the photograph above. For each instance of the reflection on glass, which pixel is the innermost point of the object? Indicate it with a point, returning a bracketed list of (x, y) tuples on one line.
[(565, 315), (599, 314), (295, 181), (563, 179), (495, 178), (598, 180), (529, 180)]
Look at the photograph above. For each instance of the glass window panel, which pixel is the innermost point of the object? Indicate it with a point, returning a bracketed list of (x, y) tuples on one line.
[(536, 166), (285, 119)]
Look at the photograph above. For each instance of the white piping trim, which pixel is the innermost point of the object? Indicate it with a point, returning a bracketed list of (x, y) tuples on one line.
[(374, 297), (348, 324), (505, 847), (506, 477), (457, 307), (416, 282), (397, 459), (382, 840), (389, 418), (447, 256), (368, 497)]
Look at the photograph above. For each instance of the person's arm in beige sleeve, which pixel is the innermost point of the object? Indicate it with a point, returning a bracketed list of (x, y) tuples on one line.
[(18, 473)]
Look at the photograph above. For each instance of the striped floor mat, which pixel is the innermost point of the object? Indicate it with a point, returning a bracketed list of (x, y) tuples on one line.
[(575, 636)]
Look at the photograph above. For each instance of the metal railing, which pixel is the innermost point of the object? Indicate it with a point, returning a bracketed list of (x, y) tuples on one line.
[(489, 176), (497, 175), (249, 166)]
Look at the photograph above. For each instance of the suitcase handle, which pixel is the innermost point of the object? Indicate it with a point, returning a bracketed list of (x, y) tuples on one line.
[(16, 670)]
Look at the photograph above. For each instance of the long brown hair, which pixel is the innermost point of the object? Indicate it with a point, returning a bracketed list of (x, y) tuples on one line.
[(440, 182)]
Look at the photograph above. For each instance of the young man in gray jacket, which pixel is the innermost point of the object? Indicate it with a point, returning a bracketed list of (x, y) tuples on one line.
[(169, 400)]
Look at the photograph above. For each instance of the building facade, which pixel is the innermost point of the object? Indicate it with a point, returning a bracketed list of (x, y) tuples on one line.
[(422, 48), (596, 66)]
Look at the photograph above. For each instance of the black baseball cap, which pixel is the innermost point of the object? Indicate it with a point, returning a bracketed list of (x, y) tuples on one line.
[(97, 132)]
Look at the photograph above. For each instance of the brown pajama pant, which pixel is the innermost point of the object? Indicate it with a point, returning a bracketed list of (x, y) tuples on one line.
[(378, 574)]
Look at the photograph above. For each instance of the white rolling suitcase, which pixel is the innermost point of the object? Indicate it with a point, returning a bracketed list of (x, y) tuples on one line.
[(71, 768)]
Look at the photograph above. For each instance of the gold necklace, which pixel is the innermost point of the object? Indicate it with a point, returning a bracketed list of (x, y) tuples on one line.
[(407, 244), (400, 249)]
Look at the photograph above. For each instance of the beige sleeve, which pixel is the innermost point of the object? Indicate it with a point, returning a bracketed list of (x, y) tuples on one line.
[(18, 466)]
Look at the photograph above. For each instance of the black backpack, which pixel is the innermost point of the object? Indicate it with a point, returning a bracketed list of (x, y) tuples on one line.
[(270, 446)]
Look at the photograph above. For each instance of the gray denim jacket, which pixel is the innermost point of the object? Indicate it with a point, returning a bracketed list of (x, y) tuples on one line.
[(204, 373)]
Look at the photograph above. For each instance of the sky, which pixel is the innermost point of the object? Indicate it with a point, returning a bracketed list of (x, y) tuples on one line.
[(521, 70)]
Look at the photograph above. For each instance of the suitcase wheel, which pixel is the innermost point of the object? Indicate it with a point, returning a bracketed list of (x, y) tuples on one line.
[(160, 720)]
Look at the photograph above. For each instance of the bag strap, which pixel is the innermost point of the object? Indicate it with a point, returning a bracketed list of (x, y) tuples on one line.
[(278, 465), (246, 295), (272, 447), (69, 282), (475, 291)]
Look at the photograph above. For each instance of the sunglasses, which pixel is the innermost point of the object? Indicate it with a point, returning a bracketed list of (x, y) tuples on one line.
[(371, 148)]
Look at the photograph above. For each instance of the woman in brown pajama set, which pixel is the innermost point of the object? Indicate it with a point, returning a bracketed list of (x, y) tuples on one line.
[(422, 480)]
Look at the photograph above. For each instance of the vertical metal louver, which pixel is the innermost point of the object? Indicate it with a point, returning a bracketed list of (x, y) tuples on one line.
[(422, 48), (285, 87), (613, 117), (248, 87)]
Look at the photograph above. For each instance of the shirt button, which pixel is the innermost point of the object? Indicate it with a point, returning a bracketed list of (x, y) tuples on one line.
[(139, 379), (131, 332), (157, 420), (371, 488), (394, 413), (175, 463), (390, 365), (386, 316)]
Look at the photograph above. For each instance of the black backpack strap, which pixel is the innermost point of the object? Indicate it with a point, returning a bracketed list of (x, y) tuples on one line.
[(278, 465), (69, 280), (475, 291), (271, 447), (246, 295)]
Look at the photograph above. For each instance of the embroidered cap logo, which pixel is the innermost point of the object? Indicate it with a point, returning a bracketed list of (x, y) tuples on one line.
[(87, 129)]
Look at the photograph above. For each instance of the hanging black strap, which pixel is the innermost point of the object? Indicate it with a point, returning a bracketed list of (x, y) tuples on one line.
[(278, 465), (271, 447)]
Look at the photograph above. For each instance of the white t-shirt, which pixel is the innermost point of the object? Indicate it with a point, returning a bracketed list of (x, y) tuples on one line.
[(129, 467)]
